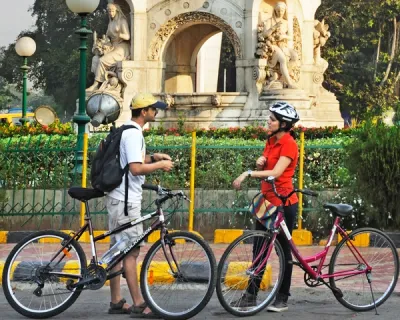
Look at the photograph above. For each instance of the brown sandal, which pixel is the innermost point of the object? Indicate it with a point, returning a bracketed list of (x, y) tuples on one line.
[(118, 308), (139, 309)]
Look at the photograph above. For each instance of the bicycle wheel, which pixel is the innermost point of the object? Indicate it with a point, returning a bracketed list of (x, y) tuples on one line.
[(30, 263), (239, 290), (379, 252), (182, 294)]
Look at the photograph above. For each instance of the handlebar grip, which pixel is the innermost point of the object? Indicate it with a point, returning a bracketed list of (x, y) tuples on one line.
[(309, 192), (150, 187)]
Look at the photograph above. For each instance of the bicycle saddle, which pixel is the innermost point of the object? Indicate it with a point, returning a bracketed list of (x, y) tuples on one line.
[(84, 194), (342, 210)]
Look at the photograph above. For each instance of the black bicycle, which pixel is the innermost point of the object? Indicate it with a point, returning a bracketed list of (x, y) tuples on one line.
[(46, 271)]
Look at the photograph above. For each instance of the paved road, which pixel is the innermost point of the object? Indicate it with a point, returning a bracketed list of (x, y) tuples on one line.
[(306, 304)]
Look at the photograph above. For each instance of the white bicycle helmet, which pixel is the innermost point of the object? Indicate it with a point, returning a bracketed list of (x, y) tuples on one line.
[(284, 111)]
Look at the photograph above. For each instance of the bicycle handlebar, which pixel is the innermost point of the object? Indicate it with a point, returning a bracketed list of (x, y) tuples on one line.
[(150, 187), (166, 193), (308, 192)]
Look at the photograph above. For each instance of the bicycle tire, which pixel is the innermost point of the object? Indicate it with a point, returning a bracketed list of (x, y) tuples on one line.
[(388, 268), (234, 274), (156, 275), (26, 269)]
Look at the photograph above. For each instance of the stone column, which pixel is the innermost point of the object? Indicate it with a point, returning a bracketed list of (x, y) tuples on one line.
[(139, 38)]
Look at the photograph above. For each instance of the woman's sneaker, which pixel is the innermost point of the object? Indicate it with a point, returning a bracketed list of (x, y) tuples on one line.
[(280, 303), (245, 301)]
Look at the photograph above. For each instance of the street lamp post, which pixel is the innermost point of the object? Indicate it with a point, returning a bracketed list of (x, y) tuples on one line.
[(82, 8), (25, 47)]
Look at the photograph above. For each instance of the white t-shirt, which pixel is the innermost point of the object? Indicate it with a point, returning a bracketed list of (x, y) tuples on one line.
[(132, 149)]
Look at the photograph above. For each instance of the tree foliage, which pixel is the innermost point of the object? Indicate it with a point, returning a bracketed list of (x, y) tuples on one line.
[(363, 54), (373, 159), (55, 64)]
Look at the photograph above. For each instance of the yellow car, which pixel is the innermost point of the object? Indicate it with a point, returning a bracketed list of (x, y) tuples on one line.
[(13, 118)]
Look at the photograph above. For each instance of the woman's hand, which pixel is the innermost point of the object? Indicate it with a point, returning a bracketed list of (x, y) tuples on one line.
[(238, 181), (260, 163)]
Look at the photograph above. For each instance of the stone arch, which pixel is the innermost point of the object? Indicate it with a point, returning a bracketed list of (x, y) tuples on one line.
[(164, 33)]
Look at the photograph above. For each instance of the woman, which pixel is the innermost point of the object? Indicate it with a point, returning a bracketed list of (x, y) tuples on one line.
[(279, 160), (118, 32)]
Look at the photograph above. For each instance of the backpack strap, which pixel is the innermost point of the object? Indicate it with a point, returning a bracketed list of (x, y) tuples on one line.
[(126, 169), (126, 189)]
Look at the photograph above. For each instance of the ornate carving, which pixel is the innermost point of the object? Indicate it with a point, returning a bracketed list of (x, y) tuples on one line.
[(238, 24), (153, 25), (283, 66), (186, 5), (318, 77), (216, 100), (127, 75), (167, 12), (166, 30), (259, 75), (321, 35), (168, 99), (298, 47), (206, 5), (224, 11)]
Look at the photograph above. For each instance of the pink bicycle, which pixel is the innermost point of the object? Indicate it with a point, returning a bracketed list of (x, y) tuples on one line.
[(362, 272)]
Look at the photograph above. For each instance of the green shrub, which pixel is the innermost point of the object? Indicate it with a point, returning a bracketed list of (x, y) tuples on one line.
[(374, 160), (46, 160)]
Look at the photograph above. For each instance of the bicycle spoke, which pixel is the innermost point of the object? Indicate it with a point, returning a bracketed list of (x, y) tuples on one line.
[(378, 252)]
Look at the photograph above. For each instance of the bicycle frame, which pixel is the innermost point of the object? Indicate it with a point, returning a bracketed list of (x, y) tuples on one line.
[(89, 226), (281, 227)]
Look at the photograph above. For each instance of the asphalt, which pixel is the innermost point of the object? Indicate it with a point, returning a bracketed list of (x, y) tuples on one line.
[(305, 304)]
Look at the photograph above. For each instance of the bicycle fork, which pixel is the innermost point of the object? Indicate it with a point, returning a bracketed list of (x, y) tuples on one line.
[(165, 240)]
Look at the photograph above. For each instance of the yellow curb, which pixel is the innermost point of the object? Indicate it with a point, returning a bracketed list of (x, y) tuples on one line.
[(302, 237), (3, 236), (155, 236), (324, 242), (2, 263), (361, 240), (236, 277), (226, 235), (159, 272)]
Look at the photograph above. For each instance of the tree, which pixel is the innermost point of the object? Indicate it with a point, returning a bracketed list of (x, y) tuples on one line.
[(6, 96), (363, 54), (55, 64)]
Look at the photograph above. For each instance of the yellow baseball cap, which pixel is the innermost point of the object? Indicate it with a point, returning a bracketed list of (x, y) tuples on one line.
[(144, 100)]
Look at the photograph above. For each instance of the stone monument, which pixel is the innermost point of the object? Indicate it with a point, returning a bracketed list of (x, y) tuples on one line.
[(276, 46)]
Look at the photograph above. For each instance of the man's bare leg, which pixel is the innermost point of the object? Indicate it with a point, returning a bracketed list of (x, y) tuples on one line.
[(115, 287), (130, 269)]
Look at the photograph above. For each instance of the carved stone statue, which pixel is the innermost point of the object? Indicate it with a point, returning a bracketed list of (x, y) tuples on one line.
[(321, 35), (272, 45), (112, 47)]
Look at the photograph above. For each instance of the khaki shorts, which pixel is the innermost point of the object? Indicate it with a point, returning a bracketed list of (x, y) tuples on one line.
[(116, 218)]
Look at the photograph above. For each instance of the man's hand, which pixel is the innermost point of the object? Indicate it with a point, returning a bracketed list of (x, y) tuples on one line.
[(260, 163), (166, 165), (161, 156)]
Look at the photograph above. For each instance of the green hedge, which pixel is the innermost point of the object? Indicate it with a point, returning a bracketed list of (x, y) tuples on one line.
[(43, 160)]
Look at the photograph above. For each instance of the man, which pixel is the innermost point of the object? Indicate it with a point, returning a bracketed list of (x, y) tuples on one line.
[(144, 108)]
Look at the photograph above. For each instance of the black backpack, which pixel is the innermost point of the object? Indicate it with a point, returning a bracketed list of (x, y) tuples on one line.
[(106, 173)]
